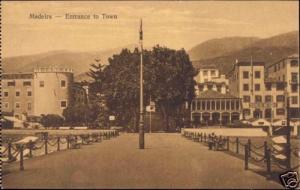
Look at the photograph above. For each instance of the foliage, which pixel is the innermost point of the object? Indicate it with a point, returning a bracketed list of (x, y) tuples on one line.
[(168, 78), (6, 124), (52, 120), (81, 113)]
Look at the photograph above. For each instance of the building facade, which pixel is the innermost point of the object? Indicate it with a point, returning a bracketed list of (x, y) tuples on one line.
[(213, 105), (44, 91), (287, 71), (264, 90), (214, 108), (209, 78)]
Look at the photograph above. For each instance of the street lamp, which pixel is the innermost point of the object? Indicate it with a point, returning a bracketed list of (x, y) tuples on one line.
[(288, 135)]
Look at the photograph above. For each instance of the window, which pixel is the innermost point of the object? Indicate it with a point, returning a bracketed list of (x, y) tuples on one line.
[(63, 83), (246, 98), (42, 84), (193, 105), (29, 93), (213, 105), (294, 77), (268, 87), (294, 87), (257, 74), (294, 100), (237, 104), (258, 98), (17, 93), (246, 112), (232, 105), (278, 66), (257, 87), (208, 105), (213, 73), (275, 69), (6, 105), (198, 105), (17, 105), (294, 63), (63, 104), (222, 105), (268, 113), (204, 73), (280, 98), (29, 106), (280, 111), (279, 86), (203, 105), (218, 105), (227, 105), (268, 98), (11, 83), (245, 74), (246, 87), (26, 83), (5, 94)]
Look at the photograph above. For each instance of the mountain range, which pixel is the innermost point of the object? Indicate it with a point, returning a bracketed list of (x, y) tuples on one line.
[(228, 50), (221, 53)]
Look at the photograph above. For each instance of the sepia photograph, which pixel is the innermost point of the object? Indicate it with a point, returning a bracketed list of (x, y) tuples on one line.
[(150, 94)]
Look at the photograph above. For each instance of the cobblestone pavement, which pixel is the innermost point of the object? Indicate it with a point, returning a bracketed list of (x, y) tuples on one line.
[(168, 161)]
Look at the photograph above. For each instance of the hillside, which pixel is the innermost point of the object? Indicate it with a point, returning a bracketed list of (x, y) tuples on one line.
[(217, 47), (78, 61), (267, 50)]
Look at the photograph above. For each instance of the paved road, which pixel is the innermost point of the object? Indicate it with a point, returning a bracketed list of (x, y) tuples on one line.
[(169, 161)]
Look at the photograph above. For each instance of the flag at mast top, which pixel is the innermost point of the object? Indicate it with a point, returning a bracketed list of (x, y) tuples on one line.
[(141, 30)]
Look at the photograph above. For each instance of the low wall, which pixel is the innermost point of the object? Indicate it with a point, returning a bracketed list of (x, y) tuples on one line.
[(234, 132)]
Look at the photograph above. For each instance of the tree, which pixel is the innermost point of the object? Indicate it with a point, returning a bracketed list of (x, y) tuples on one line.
[(168, 78), (173, 81)]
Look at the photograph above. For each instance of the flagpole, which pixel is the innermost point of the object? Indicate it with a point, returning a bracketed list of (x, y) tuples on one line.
[(150, 115), (141, 124)]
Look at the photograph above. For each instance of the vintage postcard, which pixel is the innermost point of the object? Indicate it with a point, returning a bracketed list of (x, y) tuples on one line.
[(150, 95)]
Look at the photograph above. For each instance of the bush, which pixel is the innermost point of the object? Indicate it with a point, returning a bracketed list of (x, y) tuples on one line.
[(52, 120), (5, 124)]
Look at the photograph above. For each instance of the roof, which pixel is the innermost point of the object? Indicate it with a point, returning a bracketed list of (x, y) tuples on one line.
[(211, 94), (292, 56), (248, 63), (17, 75)]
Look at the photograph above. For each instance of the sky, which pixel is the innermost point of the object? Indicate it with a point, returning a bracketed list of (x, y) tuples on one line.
[(175, 24)]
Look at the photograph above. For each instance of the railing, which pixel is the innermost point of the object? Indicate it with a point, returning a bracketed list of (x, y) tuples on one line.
[(17, 150), (263, 155)]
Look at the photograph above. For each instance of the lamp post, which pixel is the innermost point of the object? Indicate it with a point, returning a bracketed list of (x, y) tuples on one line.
[(288, 135), (141, 123)]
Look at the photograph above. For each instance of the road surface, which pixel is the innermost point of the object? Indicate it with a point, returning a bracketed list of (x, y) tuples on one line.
[(168, 161)]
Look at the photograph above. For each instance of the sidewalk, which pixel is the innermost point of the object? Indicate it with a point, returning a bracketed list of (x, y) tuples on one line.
[(169, 161)]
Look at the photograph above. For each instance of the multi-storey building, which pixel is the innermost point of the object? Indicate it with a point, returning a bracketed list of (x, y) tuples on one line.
[(44, 91), (264, 91), (209, 78), (287, 71), (213, 105)]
